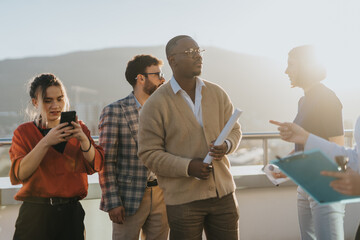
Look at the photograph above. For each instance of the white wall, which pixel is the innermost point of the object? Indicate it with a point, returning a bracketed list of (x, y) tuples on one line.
[(268, 213), (271, 213)]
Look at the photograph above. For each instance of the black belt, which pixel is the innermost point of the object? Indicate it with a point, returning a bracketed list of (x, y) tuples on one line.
[(152, 183), (53, 201)]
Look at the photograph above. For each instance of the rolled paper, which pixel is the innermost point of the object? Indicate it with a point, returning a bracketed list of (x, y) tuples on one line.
[(224, 133)]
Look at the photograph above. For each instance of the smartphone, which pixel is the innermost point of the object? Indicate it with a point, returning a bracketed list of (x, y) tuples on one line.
[(68, 117)]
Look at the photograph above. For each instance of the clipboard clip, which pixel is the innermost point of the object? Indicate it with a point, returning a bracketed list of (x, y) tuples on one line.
[(341, 162)]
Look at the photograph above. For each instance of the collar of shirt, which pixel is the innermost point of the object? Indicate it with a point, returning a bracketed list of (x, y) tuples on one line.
[(138, 105), (176, 87), (195, 107)]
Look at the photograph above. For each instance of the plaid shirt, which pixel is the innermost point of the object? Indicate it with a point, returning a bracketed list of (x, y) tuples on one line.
[(123, 178)]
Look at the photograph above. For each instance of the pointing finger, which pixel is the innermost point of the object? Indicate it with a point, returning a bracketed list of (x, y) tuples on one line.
[(275, 122)]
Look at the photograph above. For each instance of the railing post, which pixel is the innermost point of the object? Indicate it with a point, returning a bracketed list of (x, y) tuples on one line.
[(265, 150)]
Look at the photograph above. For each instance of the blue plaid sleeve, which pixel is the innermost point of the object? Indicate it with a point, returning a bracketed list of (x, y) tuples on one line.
[(109, 135)]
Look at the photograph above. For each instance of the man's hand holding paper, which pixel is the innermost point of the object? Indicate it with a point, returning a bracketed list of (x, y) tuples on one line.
[(218, 152), (197, 168), (220, 141)]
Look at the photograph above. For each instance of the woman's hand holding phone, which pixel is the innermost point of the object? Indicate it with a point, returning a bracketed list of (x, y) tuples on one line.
[(76, 132), (57, 134)]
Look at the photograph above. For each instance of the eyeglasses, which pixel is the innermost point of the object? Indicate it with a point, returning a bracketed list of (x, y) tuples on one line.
[(192, 52), (159, 74)]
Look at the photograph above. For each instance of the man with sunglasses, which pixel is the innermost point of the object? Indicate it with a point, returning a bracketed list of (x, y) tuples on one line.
[(130, 193), (178, 125)]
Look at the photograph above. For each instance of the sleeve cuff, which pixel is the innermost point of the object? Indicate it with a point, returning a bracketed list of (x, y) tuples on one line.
[(229, 145), (311, 142), (98, 163), (187, 168)]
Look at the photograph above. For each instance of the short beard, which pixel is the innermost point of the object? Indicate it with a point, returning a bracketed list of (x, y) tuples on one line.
[(149, 87)]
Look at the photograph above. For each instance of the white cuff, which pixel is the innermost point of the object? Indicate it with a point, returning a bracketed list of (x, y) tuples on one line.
[(228, 143)]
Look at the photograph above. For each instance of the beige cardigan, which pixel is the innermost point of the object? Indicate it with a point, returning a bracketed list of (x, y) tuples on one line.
[(170, 136)]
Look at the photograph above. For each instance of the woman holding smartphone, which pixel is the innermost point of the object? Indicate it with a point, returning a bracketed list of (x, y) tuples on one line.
[(51, 161)]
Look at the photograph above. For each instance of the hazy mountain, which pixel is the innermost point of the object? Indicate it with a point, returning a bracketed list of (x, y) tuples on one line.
[(255, 84)]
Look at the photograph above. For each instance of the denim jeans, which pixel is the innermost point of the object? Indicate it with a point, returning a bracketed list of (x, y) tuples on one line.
[(319, 222)]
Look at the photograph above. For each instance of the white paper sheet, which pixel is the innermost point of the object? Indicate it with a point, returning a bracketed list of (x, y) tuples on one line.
[(224, 133)]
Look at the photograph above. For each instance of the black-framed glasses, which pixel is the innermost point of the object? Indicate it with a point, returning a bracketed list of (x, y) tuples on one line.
[(160, 75), (192, 52)]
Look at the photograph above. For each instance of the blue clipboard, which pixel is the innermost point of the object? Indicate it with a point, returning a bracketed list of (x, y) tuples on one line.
[(304, 169)]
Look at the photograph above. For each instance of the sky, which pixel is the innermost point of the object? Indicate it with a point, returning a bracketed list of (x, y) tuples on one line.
[(267, 28)]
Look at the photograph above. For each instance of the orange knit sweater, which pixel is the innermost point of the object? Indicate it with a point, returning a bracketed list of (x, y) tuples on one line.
[(59, 174)]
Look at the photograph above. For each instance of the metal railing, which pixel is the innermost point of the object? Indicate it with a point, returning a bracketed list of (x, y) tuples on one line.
[(275, 135), (264, 136)]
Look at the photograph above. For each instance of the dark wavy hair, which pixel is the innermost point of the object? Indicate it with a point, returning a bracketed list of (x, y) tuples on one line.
[(138, 64)]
